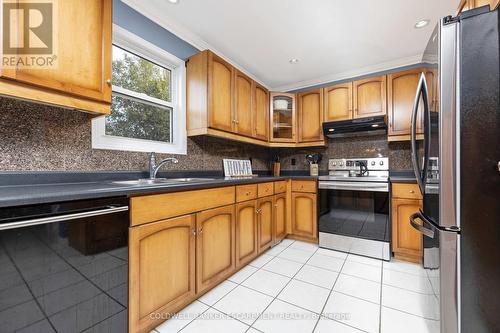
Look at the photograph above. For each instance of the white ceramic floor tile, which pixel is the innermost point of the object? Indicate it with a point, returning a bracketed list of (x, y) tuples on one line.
[(296, 255), (318, 276), (331, 326), (243, 304), (266, 282), (282, 317), (304, 246), (252, 330), (357, 287), (275, 250), (242, 274), (218, 292), (283, 266), (364, 260), (394, 321), (184, 317), (326, 262), (405, 267), (286, 242), (332, 253), (359, 313), (422, 305), (261, 261), (305, 295), (435, 284), (407, 281), (213, 321), (363, 271)]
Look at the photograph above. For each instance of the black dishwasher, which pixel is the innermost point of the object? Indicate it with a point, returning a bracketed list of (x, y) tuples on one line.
[(64, 267)]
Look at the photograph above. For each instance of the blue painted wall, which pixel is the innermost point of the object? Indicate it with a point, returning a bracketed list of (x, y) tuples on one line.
[(131, 20)]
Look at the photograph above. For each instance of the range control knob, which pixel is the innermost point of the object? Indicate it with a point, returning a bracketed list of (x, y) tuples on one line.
[(373, 162), (381, 162), (341, 163), (334, 164)]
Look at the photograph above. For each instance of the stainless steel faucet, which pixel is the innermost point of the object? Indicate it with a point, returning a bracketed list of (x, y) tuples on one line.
[(153, 167)]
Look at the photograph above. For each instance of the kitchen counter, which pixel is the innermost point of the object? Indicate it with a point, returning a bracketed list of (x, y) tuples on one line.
[(70, 189), (403, 176)]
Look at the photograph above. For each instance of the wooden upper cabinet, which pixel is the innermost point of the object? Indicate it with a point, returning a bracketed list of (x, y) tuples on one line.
[(215, 246), (246, 232), (304, 215), (243, 120), (265, 222), (369, 97), (310, 119), (260, 98), (282, 117), (279, 227), (220, 93), (81, 75), (338, 102), (162, 270), (402, 87), (471, 4)]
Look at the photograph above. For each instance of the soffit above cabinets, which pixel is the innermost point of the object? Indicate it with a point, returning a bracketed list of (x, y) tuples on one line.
[(332, 39)]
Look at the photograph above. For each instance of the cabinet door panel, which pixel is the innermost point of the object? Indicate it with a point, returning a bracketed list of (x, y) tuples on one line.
[(279, 217), (338, 102), (304, 219), (246, 232), (220, 77), (215, 246), (370, 97), (162, 269), (83, 51), (310, 107), (265, 220), (243, 104), (261, 112), (406, 241)]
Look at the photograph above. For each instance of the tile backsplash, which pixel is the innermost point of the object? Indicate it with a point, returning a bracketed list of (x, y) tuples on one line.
[(45, 138), (37, 137)]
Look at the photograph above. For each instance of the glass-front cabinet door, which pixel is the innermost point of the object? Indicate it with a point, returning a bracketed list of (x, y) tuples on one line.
[(283, 122)]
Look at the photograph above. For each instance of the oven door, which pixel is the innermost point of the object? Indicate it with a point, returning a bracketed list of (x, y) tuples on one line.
[(354, 218)]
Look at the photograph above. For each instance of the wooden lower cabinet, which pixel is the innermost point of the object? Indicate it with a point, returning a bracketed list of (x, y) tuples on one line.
[(304, 216), (215, 246), (246, 232), (161, 270), (265, 222), (279, 226), (406, 241)]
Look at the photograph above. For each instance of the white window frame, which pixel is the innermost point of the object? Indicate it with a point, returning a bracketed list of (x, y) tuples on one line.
[(142, 48)]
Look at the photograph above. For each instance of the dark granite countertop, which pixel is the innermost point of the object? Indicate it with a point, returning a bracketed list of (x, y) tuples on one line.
[(402, 176), (44, 188)]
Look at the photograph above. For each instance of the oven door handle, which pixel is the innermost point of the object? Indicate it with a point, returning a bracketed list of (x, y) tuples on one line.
[(420, 228), (354, 186), (65, 217)]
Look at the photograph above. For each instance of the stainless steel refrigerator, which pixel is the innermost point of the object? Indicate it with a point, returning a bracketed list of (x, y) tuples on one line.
[(457, 166)]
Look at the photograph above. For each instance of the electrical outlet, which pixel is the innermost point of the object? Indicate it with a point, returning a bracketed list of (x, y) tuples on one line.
[(294, 161)]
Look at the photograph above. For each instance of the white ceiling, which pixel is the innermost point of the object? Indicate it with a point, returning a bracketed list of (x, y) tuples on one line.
[(333, 39)]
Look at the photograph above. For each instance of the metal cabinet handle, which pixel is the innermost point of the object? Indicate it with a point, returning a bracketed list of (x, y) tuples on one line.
[(498, 166), (200, 232), (108, 82), (194, 232), (411, 191), (247, 193)]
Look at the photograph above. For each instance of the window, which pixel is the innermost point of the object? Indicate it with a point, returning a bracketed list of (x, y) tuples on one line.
[(147, 106)]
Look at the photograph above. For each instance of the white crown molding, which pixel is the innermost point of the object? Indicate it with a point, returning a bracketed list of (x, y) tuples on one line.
[(401, 62), (185, 34)]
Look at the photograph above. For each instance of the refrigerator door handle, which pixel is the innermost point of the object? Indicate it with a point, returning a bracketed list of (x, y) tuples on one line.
[(422, 91), (420, 228)]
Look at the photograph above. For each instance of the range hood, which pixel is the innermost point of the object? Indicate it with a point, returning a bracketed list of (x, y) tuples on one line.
[(355, 127)]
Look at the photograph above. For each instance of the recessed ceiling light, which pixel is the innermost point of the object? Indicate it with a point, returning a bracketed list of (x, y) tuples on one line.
[(173, 1), (293, 61), (421, 24)]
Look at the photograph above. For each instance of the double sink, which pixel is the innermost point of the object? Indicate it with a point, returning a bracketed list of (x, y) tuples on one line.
[(161, 181)]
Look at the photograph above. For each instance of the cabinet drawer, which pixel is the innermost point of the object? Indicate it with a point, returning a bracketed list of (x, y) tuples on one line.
[(246, 192), (156, 207), (304, 186), (280, 187), (265, 189), (406, 191)]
